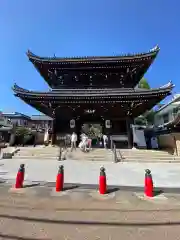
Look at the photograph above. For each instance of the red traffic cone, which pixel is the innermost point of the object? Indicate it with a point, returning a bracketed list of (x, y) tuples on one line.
[(102, 181), (60, 179), (20, 177), (148, 184)]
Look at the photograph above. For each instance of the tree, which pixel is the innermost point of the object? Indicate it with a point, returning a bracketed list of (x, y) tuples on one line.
[(143, 83), (92, 130), (141, 120), (148, 117), (22, 131)]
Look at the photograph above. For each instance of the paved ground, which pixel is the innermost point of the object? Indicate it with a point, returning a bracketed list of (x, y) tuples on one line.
[(86, 172), (35, 213)]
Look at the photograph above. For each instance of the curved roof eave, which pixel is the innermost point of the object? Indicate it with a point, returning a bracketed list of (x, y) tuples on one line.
[(166, 88), (153, 52), (168, 104)]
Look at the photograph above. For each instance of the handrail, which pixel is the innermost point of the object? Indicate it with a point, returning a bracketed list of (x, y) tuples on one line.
[(120, 155), (60, 154), (118, 158), (115, 153)]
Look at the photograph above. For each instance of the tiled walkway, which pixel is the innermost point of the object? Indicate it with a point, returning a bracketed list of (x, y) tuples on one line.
[(86, 172)]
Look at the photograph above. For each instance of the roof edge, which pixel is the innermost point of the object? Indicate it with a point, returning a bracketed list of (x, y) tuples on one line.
[(153, 51), (169, 86)]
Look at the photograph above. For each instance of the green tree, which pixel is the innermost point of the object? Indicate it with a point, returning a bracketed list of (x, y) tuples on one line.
[(148, 117), (22, 131), (143, 83), (141, 120), (92, 130)]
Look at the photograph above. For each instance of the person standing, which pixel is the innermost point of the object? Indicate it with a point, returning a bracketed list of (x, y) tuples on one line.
[(105, 140), (73, 141)]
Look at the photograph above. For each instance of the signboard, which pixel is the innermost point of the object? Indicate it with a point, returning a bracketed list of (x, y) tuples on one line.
[(61, 137)]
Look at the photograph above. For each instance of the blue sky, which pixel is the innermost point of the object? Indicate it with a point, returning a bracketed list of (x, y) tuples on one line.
[(81, 28)]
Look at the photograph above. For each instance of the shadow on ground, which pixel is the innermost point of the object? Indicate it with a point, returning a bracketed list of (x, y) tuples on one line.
[(158, 192), (111, 190)]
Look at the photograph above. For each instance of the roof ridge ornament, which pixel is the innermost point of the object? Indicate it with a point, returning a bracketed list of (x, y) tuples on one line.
[(29, 53), (168, 85), (154, 49)]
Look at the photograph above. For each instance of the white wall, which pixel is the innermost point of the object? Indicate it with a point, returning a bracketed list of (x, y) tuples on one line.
[(159, 117)]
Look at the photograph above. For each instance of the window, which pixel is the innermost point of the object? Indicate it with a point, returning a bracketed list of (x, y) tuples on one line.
[(175, 110), (166, 118)]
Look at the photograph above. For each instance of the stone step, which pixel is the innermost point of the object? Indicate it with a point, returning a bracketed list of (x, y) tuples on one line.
[(35, 157), (146, 154), (92, 159), (142, 155), (40, 151), (35, 154), (142, 151), (88, 157), (85, 157), (150, 161), (150, 156)]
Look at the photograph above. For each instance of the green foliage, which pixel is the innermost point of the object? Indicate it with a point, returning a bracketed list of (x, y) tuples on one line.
[(149, 115), (143, 83), (92, 130), (22, 131), (141, 120), (146, 119)]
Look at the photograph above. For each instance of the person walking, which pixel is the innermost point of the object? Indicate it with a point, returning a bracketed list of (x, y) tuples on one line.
[(73, 141)]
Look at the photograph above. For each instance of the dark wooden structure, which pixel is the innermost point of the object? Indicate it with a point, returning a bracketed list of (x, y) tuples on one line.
[(94, 89)]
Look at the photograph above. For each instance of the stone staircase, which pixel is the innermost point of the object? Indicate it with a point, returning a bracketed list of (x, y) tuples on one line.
[(96, 154), (38, 152), (145, 155), (49, 152)]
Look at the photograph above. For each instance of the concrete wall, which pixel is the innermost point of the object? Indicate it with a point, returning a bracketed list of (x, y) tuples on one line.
[(177, 139), (40, 138), (170, 142)]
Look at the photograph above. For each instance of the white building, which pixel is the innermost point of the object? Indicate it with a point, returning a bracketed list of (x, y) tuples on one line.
[(168, 113)]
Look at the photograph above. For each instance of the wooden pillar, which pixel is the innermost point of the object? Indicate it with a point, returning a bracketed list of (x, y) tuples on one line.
[(53, 141), (129, 121)]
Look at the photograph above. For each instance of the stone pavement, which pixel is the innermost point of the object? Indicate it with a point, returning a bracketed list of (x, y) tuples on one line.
[(86, 172), (38, 214), (116, 197)]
